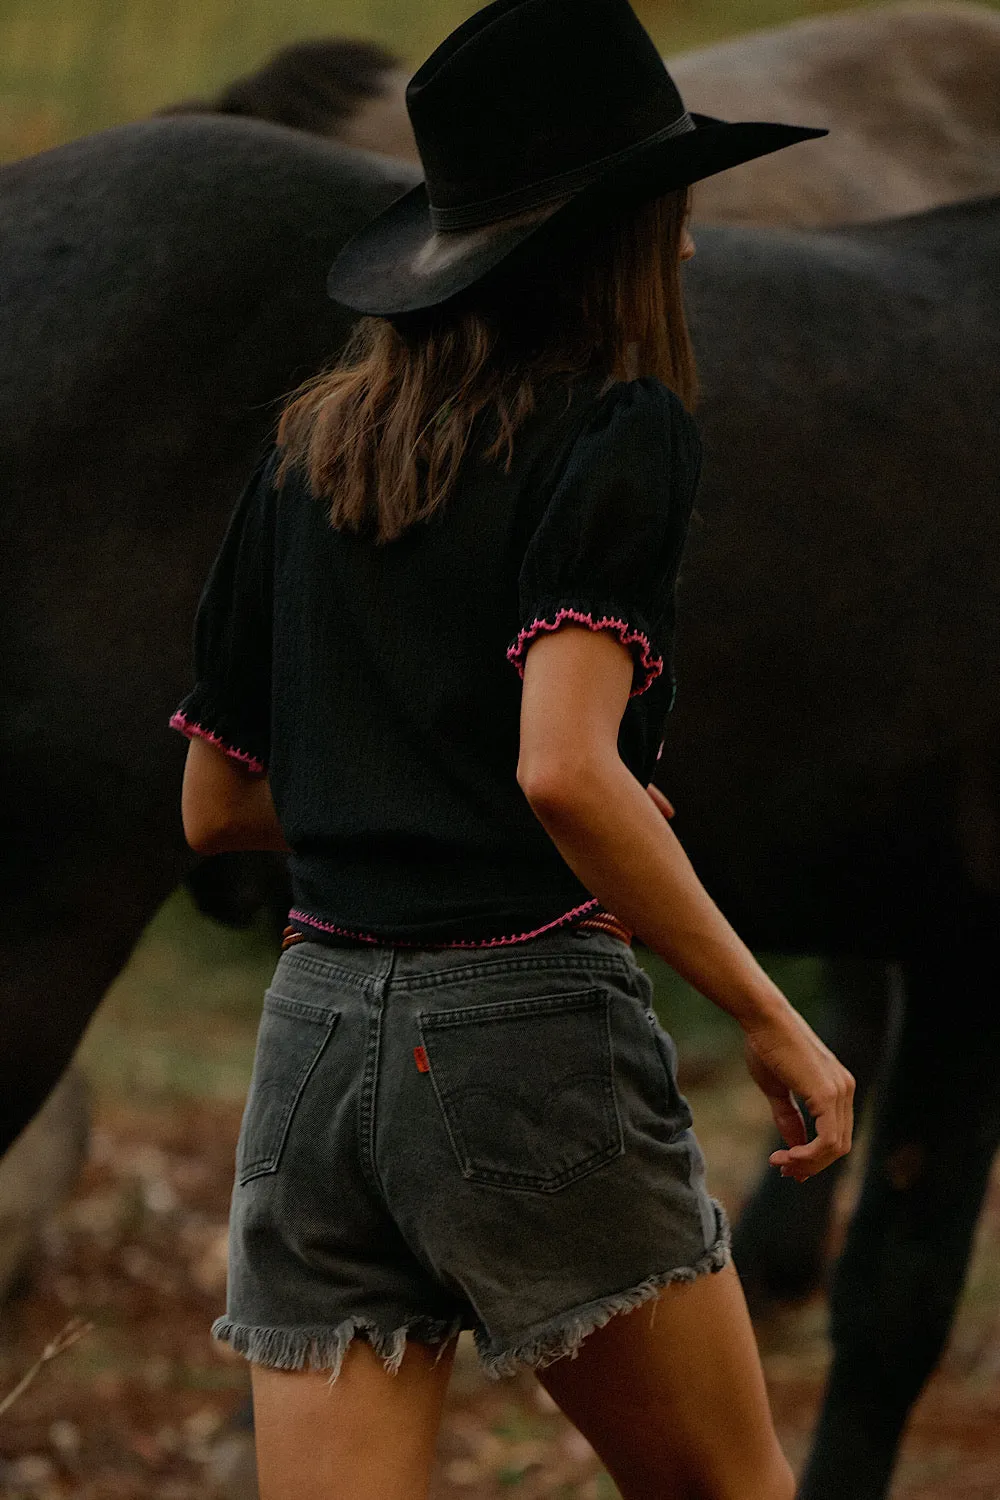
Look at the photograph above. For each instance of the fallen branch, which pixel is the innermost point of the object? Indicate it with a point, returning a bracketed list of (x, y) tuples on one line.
[(64, 1339)]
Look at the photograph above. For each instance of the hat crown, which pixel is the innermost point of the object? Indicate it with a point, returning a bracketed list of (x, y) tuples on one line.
[(530, 95)]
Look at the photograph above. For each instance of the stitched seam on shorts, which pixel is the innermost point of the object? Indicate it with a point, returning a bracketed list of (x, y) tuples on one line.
[(582, 963), (523, 1005), (369, 1084), (324, 969), (299, 1010), (601, 963)]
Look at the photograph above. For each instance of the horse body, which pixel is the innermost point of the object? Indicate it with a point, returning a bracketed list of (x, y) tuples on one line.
[(350, 90), (833, 753), (908, 92), (382, 123), (840, 588), (164, 286)]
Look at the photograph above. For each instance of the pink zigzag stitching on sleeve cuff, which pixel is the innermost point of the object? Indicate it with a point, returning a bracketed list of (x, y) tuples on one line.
[(651, 665), (198, 731)]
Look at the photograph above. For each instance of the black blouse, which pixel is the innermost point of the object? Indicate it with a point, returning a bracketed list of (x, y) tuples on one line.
[(378, 686)]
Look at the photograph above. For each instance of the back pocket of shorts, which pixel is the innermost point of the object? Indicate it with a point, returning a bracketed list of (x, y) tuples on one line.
[(526, 1088), (290, 1042)]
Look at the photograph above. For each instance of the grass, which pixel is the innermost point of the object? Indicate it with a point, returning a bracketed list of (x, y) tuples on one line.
[(71, 66), (180, 1020)]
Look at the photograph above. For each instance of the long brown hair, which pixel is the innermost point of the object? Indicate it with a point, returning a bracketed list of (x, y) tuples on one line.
[(382, 434)]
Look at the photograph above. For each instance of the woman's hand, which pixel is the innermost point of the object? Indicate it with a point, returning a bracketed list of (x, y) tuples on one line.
[(786, 1058)]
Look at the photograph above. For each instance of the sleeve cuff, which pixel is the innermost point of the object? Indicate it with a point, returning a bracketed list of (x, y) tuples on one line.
[(197, 719), (647, 665)]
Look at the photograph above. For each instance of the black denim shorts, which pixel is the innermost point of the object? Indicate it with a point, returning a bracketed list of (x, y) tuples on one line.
[(446, 1139)]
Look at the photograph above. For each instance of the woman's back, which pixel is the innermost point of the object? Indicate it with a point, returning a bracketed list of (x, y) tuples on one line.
[(393, 737)]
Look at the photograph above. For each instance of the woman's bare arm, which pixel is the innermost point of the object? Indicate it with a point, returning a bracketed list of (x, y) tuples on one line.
[(614, 837), (224, 807)]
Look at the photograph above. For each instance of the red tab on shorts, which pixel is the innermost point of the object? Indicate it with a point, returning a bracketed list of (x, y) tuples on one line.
[(423, 1066)]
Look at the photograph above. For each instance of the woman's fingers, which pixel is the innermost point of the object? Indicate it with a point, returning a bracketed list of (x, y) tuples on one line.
[(788, 1118), (802, 1158), (845, 1104), (839, 1090), (833, 1121), (793, 1061), (820, 1152)]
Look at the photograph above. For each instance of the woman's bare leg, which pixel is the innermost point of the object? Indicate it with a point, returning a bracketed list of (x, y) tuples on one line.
[(672, 1397), (368, 1436)]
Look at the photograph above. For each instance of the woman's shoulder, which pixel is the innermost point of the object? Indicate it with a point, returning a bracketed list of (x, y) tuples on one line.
[(645, 400), (598, 414), (639, 424)]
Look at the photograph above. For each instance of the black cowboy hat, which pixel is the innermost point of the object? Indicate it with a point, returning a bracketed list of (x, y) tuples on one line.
[(532, 110)]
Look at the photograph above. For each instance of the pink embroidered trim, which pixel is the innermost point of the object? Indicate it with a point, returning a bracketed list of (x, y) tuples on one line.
[(651, 665), (198, 731), (501, 942)]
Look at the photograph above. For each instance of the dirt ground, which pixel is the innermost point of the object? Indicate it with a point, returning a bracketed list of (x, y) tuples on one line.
[(139, 1407)]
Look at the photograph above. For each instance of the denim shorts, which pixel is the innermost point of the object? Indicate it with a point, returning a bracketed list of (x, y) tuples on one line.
[(437, 1140)]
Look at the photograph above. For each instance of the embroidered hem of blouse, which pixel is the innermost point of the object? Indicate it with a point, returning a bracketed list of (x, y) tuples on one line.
[(193, 731), (648, 665), (296, 915)]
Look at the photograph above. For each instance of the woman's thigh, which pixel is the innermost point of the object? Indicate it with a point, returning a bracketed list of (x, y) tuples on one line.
[(370, 1435), (671, 1395)]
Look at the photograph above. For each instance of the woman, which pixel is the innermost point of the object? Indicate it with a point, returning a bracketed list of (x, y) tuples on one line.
[(433, 664)]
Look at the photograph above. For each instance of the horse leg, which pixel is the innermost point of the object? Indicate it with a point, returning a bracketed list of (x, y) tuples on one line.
[(899, 1278), (779, 1241), (63, 941), (37, 1174)]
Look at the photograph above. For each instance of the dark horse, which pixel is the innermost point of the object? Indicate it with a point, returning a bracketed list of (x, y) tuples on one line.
[(834, 751), (163, 286)]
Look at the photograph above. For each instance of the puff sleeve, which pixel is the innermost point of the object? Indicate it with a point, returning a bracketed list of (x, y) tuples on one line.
[(606, 551), (230, 704)]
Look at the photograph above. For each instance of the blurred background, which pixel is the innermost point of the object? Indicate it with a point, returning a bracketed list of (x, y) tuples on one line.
[(72, 66), (140, 1405)]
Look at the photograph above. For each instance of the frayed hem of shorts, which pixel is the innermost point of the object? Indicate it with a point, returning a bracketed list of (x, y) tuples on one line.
[(324, 1348), (562, 1337)]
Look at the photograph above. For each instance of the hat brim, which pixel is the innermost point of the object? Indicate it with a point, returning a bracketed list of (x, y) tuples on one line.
[(400, 264)]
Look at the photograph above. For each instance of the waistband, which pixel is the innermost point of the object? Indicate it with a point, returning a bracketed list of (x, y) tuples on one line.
[(595, 921)]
